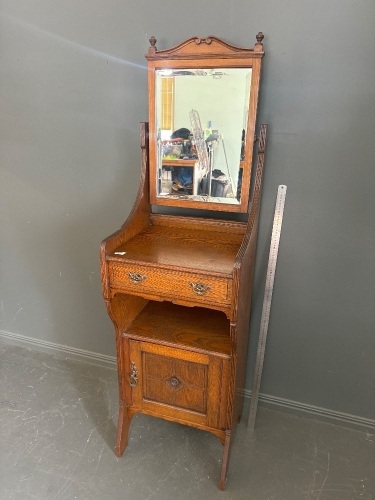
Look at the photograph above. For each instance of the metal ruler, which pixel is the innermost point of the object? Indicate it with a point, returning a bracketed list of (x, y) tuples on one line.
[(271, 269)]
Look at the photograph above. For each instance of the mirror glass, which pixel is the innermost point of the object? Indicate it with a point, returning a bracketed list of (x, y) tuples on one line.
[(201, 121)]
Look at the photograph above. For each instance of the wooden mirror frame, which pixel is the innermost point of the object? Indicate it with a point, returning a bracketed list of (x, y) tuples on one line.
[(209, 52)]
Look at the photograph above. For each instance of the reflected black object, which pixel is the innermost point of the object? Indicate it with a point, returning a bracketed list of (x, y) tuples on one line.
[(219, 184), (181, 133)]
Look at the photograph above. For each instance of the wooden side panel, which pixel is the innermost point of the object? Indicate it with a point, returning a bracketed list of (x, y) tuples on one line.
[(138, 219), (244, 269)]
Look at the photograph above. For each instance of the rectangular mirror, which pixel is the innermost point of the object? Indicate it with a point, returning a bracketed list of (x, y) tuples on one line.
[(203, 98)]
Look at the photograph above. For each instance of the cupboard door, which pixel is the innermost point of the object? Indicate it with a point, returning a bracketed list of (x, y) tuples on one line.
[(179, 384)]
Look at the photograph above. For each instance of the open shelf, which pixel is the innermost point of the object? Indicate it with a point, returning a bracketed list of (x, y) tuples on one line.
[(191, 328)]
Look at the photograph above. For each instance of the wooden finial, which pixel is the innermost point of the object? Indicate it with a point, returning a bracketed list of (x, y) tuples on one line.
[(152, 49), (260, 37), (258, 47)]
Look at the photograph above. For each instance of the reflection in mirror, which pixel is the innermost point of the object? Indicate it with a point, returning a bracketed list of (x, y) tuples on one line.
[(201, 121)]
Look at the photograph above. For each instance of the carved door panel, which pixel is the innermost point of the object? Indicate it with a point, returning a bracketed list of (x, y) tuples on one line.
[(185, 385)]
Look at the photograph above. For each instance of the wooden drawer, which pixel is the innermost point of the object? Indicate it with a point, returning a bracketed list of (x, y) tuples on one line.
[(186, 385), (156, 282)]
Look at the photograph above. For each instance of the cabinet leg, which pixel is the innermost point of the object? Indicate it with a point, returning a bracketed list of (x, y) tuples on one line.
[(123, 425), (225, 461)]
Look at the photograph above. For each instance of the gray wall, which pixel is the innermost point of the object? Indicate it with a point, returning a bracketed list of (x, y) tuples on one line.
[(73, 90)]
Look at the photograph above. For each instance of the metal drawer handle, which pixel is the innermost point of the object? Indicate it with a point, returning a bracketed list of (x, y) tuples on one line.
[(133, 379), (200, 288), (136, 277), (174, 383)]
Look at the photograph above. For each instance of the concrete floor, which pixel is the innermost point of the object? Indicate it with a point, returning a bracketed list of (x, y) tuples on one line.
[(58, 425)]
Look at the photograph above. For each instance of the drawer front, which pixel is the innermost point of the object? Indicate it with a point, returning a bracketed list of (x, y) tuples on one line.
[(176, 383), (165, 283)]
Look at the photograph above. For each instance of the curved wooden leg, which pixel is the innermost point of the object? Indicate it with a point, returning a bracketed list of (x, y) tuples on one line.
[(123, 425), (225, 461)]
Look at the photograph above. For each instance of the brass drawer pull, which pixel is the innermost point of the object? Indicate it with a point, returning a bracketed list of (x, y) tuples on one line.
[(200, 288), (136, 277), (133, 379)]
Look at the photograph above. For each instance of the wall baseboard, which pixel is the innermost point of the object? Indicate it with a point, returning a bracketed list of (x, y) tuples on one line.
[(313, 412), (265, 400), (58, 349)]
